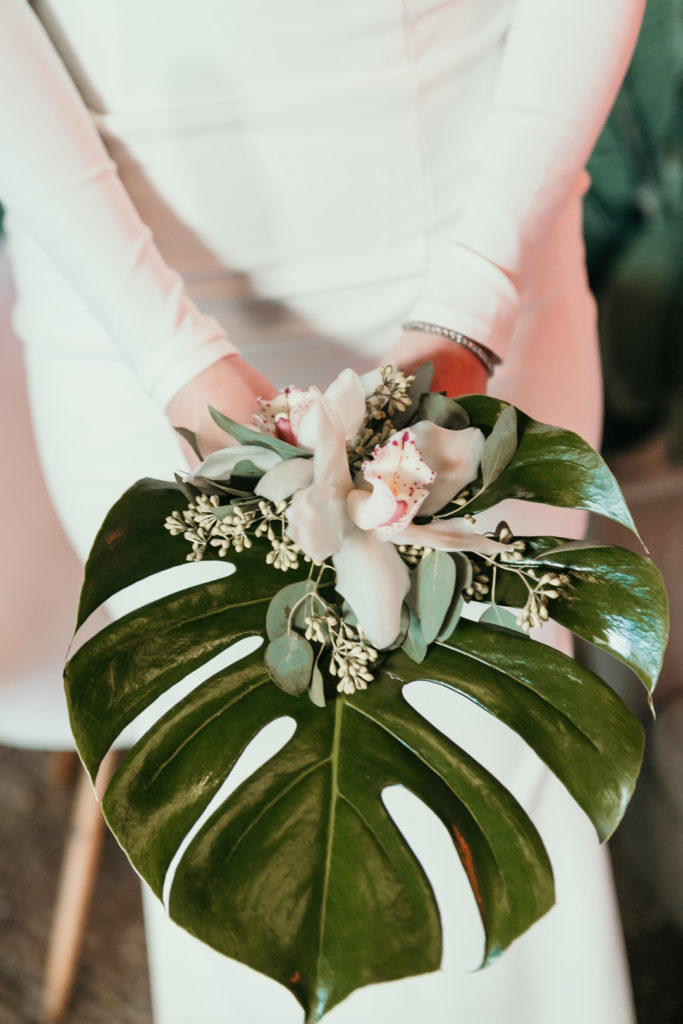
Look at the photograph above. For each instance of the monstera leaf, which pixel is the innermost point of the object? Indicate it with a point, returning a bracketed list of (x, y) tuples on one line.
[(301, 872), (551, 465)]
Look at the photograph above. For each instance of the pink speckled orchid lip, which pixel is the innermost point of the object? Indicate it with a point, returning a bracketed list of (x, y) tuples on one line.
[(284, 415), (398, 475)]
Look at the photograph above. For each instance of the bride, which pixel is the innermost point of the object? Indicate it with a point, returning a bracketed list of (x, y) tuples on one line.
[(313, 176)]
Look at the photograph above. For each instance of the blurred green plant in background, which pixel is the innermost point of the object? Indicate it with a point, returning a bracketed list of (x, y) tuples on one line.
[(633, 221)]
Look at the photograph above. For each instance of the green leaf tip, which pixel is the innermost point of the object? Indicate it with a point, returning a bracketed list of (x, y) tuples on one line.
[(245, 435)]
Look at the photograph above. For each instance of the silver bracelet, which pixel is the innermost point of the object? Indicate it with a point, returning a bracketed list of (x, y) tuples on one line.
[(484, 355)]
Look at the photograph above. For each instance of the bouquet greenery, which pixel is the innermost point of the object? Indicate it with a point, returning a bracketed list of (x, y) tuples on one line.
[(366, 498)]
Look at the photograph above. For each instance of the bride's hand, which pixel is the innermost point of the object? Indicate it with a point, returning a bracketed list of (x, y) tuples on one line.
[(232, 387), (457, 371)]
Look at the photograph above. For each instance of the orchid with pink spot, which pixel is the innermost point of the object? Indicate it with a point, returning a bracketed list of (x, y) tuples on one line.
[(359, 523), (283, 415)]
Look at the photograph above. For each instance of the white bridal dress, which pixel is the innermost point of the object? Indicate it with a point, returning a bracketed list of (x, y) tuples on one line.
[(309, 175)]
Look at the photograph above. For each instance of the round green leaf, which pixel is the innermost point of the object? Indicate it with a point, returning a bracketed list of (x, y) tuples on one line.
[(463, 578), (424, 376), (500, 446), (289, 660), (497, 616), (279, 618), (431, 592), (414, 643), (443, 411)]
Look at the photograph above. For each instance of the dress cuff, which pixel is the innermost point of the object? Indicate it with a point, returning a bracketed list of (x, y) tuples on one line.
[(467, 293), (164, 380)]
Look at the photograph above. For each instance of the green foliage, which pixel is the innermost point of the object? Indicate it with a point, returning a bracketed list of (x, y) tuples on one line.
[(301, 872), (434, 582), (244, 435), (550, 465), (289, 660), (445, 412), (615, 600), (463, 578), (499, 447), (418, 390)]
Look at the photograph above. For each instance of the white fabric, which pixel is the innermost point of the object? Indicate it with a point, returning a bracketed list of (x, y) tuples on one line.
[(276, 107), (315, 173), (59, 182)]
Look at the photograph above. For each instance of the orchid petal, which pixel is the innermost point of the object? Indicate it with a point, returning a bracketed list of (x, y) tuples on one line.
[(283, 480), (219, 465), (304, 403), (454, 455), (374, 579), (271, 409), (307, 423), (323, 431), (446, 535), (317, 516), (347, 395), (281, 416), (283, 430), (399, 466), (370, 509), (372, 380)]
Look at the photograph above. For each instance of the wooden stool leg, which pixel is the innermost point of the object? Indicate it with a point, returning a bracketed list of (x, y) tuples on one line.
[(62, 767), (74, 889)]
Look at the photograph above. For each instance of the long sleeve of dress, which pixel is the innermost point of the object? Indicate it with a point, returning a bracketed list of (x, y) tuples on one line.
[(563, 63), (56, 179)]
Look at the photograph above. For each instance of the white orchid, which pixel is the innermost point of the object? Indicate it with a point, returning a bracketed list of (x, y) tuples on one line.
[(360, 523), (282, 417)]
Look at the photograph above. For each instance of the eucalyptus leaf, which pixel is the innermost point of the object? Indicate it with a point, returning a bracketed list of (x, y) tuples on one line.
[(246, 468), (279, 617), (247, 436), (185, 488), (223, 511), (414, 643), (317, 690), (433, 584), (403, 630), (424, 375), (443, 411), (191, 438), (208, 486), (497, 616), (289, 660), (463, 579), (500, 446), (551, 465), (348, 614)]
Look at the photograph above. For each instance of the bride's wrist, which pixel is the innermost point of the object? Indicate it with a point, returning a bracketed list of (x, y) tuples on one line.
[(485, 356), (457, 370)]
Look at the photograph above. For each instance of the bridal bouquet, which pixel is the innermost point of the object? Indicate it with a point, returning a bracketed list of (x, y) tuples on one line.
[(351, 519)]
